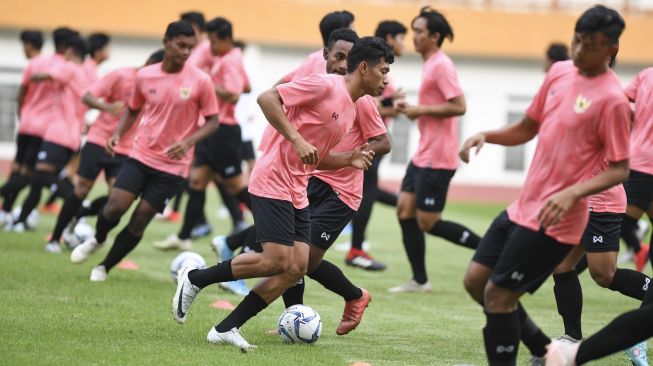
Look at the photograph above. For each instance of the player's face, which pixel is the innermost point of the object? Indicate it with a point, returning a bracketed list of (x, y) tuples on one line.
[(336, 58), (179, 48), (397, 44), (421, 38), (217, 44), (103, 54), (591, 52), (376, 78)]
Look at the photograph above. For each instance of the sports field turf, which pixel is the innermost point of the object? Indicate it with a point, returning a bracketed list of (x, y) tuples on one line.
[(52, 314)]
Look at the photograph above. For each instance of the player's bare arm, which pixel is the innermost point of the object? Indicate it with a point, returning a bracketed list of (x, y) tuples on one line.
[(111, 107), (126, 122), (513, 134), (179, 149), (451, 108), (359, 158)]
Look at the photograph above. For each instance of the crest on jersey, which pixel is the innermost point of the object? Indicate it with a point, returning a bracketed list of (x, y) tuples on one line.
[(581, 104), (184, 92)]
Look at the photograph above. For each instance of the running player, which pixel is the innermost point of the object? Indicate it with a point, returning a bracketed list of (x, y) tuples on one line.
[(171, 95), (425, 185), (581, 117), (220, 153), (322, 108), (109, 96), (32, 41)]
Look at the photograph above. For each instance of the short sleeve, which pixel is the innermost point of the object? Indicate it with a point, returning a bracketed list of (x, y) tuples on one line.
[(447, 82), (614, 131), (231, 78), (631, 89), (536, 109), (103, 88), (306, 91), (369, 119), (62, 73), (208, 102), (289, 76), (137, 99)]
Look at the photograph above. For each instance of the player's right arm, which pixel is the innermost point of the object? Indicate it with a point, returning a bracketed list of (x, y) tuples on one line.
[(126, 122), (22, 92), (93, 102), (513, 134)]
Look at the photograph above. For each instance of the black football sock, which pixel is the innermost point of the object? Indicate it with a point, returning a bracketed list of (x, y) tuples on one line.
[(501, 336), (244, 197), (361, 218), (251, 305), (415, 247), (624, 331), (387, 198), (65, 188), (96, 206), (630, 283), (532, 336), (455, 233), (569, 299), (103, 226), (221, 272), (40, 180), (125, 242), (12, 189), (239, 239), (70, 206), (194, 207), (331, 277), (629, 233), (176, 204), (232, 204), (582, 265), (294, 295)]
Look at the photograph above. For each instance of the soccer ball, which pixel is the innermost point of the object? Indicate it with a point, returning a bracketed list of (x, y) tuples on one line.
[(80, 233), (300, 324), (186, 259)]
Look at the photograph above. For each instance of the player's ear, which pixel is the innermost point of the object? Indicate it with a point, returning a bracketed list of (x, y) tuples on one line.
[(325, 53), (363, 67)]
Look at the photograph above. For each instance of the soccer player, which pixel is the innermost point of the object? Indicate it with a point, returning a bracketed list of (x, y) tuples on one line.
[(220, 153), (63, 134), (581, 116), (319, 111), (201, 56), (393, 33), (171, 96), (109, 96), (98, 52), (425, 185), (32, 42), (556, 52), (36, 104)]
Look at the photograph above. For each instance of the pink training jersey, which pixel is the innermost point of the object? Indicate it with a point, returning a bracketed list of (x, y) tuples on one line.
[(229, 73), (90, 69), (582, 123), (72, 83), (313, 64), (171, 104), (611, 200), (640, 91), (348, 182), (116, 86), (202, 57), (438, 137), (389, 90), (322, 111), (39, 107)]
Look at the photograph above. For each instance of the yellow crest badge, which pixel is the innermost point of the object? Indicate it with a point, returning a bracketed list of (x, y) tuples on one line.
[(184, 92), (581, 104)]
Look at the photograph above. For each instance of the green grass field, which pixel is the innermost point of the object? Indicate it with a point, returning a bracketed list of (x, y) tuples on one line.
[(53, 314)]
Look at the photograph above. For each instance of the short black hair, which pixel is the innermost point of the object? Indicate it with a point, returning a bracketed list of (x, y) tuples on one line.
[(221, 27), (33, 37), (156, 57), (369, 49), (342, 34), (194, 17), (389, 28), (557, 52), (240, 44), (179, 28), (61, 34), (77, 44), (600, 19), (96, 42), (333, 21), (436, 23)]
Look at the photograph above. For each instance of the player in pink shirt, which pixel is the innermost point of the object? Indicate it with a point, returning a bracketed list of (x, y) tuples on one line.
[(319, 112), (171, 96), (426, 182), (98, 52), (35, 107), (110, 96), (581, 118), (32, 41)]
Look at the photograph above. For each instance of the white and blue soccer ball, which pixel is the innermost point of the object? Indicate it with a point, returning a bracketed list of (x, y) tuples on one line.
[(186, 259), (32, 220), (300, 324), (80, 233)]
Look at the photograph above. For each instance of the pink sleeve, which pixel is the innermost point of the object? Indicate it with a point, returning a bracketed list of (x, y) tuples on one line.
[(103, 88), (447, 83), (61, 73), (306, 91), (614, 130), (208, 102), (369, 119), (631, 89), (536, 109), (27, 73), (233, 80), (137, 100), (289, 76)]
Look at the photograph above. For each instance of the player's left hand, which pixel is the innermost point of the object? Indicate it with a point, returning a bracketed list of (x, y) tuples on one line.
[(178, 150), (361, 157), (556, 207), (412, 111)]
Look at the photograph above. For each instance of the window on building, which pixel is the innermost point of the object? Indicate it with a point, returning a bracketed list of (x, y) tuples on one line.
[(400, 128), (8, 94), (515, 156)]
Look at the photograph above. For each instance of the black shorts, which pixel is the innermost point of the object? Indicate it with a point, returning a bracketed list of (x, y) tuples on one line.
[(602, 232), (247, 150), (429, 185), (95, 159), (54, 154), (27, 149), (221, 151), (521, 259), (329, 215), (639, 189), (278, 221), (154, 186)]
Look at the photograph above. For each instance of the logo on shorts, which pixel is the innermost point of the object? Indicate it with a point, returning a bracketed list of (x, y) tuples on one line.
[(42, 155), (581, 104), (334, 116), (464, 237), (506, 349), (325, 236), (429, 201), (230, 169), (597, 239), (646, 282), (516, 276), (184, 92)]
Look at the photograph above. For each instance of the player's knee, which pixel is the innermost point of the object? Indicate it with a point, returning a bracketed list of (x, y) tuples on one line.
[(273, 266), (426, 223), (81, 190), (474, 287), (297, 271), (496, 299), (602, 277)]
